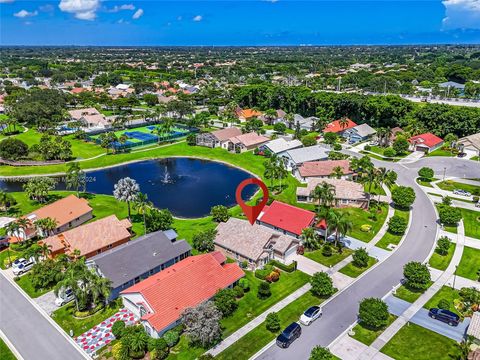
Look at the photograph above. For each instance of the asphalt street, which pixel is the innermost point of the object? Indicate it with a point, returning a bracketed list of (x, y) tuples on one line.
[(34, 337), (341, 311)]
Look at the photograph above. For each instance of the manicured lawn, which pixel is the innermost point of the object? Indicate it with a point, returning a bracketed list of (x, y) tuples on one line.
[(4, 256), (256, 339), (451, 185), (441, 262), (328, 260), (446, 293), (416, 342), (471, 222), (451, 229), (64, 317), (184, 351), (390, 238), (250, 306), (5, 352), (366, 335), (25, 282), (469, 264), (441, 152), (360, 217), (353, 271), (376, 190), (408, 294), (425, 182)]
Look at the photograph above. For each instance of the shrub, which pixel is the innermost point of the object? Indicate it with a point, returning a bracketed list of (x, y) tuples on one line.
[(449, 215), (238, 290), (444, 304), (337, 147), (389, 152), (117, 328), (373, 313), (366, 228), (475, 199), (203, 241), (400, 145), (244, 284), (264, 291), (219, 213), (171, 338), (288, 268), (447, 200), (272, 322), (403, 196), (367, 147), (280, 127), (156, 344), (321, 353), (443, 245), (327, 250), (273, 276), (158, 220), (13, 149), (225, 301), (206, 357), (119, 352), (426, 173), (309, 140), (417, 275), (156, 354), (263, 273), (397, 225), (360, 257), (322, 284)]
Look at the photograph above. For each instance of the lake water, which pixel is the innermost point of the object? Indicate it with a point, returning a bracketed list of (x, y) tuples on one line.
[(187, 187)]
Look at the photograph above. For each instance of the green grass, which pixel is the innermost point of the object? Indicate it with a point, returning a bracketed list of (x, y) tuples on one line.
[(5, 352), (257, 338), (390, 238), (328, 260), (359, 217), (377, 157), (425, 182), (441, 152), (367, 335), (471, 222), (376, 190), (250, 306), (407, 294), (441, 262), (416, 342), (64, 317), (354, 271), (451, 185), (446, 293), (4, 255), (451, 229), (25, 282), (469, 264)]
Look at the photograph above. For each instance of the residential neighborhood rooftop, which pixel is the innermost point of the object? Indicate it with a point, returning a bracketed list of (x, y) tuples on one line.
[(427, 139), (335, 126), (323, 168), (286, 217)]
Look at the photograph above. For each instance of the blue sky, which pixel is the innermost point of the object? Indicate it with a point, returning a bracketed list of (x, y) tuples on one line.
[(241, 22)]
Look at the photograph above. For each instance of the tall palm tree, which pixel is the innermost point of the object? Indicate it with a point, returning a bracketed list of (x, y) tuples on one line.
[(271, 169), (371, 179), (289, 118), (23, 224), (126, 190), (75, 178), (337, 172), (46, 250), (13, 229), (100, 288), (343, 122), (309, 238), (282, 172), (142, 205), (340, 224), (72, 279), (324, 193)]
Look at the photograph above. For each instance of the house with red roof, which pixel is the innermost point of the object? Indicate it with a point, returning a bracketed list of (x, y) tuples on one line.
[(285, 218), (338, 126), (160, 300), (323, 169), (426, 143)]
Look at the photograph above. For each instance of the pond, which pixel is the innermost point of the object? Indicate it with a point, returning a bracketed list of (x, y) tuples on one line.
[(187, 187)]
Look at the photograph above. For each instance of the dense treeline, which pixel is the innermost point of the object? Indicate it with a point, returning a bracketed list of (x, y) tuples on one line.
[(377, 111)]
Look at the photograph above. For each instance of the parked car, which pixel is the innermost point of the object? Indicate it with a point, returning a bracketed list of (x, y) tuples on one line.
[(17, 262), (462, 154), (310, 315), (445, 316), (477, 204), (23, 267), (461, 192), (289, 335), (64, 297)]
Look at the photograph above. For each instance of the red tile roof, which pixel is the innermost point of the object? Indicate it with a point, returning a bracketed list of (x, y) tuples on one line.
[(335, 126), (427, 139), (324, 168), (287, 217), (183, 285)]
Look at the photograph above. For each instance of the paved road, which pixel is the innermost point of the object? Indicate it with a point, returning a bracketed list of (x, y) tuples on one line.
[(34, 337), (341, 312)]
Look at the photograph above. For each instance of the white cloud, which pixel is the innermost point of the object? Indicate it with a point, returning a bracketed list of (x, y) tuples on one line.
[(25, 13), (137, 14), (198, 18), (461, 14), (117, 8), (83, 9)]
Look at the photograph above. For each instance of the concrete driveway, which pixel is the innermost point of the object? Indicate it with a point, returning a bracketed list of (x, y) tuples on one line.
[(47, 302)]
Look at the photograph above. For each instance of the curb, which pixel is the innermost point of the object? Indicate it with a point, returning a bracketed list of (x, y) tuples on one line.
[(10, 346)]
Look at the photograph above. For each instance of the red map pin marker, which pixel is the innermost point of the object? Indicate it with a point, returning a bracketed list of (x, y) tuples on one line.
[(251, 212)]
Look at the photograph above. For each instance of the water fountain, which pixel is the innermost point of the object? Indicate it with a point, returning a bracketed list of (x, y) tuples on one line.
[(167, 179)]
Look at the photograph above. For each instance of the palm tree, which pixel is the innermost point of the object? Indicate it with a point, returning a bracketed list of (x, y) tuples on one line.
[(23, 224), (309, 238), (340, 224), (337, 172), (46, 250), (142, 205), (75, 178), (271, 169), (13, 229), (343, 122), (371, 179), (126, 190), (282, 172), (100, 288), (71, 280), (6, 200), (34, 251), (324, 193), (289, 118)]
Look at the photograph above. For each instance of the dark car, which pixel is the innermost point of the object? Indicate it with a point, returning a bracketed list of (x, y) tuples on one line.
[(291, 332), (446, 316), (462, 154), (4, 242)]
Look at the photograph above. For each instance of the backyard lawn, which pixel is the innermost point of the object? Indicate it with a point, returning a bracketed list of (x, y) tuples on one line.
[(354, 271), (361, 217), (407, 294), (336, 257), (390, 238), (451, 185), (366, 335), (4, 255), (441, 262), (5, 352), (416, 342), (64, 317), (257, 338), (445, 293), (471, 222), (469, 264)]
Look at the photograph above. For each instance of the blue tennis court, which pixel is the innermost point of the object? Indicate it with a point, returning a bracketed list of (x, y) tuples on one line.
[(140, 135)]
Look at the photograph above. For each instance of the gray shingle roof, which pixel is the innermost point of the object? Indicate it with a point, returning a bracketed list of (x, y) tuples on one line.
[(364, 130), (125, 262), (311, 153)]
